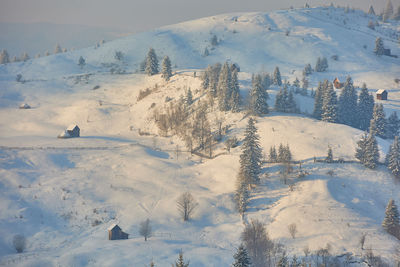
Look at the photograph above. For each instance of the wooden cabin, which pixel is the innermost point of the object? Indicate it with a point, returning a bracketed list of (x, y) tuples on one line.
[(337, 83), (73, 130), (115, 233), (381, 94)]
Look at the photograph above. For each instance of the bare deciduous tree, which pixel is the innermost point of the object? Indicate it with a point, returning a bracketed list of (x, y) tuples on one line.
[(257, 242), (292, 230), (145, 229), (186, 205)]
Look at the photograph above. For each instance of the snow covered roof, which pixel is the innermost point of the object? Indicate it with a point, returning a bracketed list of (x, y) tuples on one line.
[(112, 226), (380, 91), (72, 127)]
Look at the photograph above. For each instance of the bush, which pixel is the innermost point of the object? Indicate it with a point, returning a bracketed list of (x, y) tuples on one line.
[(19, 243)]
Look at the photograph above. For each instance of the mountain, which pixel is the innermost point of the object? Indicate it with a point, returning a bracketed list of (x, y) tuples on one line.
[(63, 194)]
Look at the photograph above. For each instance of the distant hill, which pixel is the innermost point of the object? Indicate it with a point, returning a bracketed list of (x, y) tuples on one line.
[(38, 37)]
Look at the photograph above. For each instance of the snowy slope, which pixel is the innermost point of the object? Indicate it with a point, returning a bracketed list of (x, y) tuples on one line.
[(63, 194)]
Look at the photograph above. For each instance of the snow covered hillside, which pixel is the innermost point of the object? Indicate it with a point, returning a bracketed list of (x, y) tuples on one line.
[(63, 194)]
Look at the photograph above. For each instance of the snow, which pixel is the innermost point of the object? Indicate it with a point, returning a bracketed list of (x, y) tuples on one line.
[(63, 194)]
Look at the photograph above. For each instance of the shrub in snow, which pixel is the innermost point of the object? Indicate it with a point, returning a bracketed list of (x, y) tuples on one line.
[(19, 78), (214, 40), (19, 243), (81, 62), (119, 55)]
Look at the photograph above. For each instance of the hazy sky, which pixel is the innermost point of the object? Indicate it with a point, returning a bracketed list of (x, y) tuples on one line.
[(134, 15)]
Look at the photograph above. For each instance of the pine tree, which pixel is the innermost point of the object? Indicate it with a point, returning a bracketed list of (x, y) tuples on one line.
[(280, 100), (392, 126), (318, 101), (81, 62), (391, 222), (251, 157), (206, 53), (371, 10), (57, 49), (388, 12), (379, 48), (214, 40), (258, 97), (291, 106), (4, 57), (241, 257), (224, 88), (151, 63), (166, 71), (365, 107), (329, 157), (294, 262), (273, 157), (241, 194), (296, 83), (347, 104), (277, 77), (304, 85), (371, 152), (180, 262), (307, 70), (329, 104), (189, 97), (47, 53), (362, 148), (379, 121), (324, 64), (205, 78), (234, 102), (318, 65), (214, 73), (283, 261), (393, 158), (266, 81)]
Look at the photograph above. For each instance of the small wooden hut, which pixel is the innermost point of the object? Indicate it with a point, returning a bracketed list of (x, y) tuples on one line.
[(116, 233), (337, 83), (381, 94), (73, 130)]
